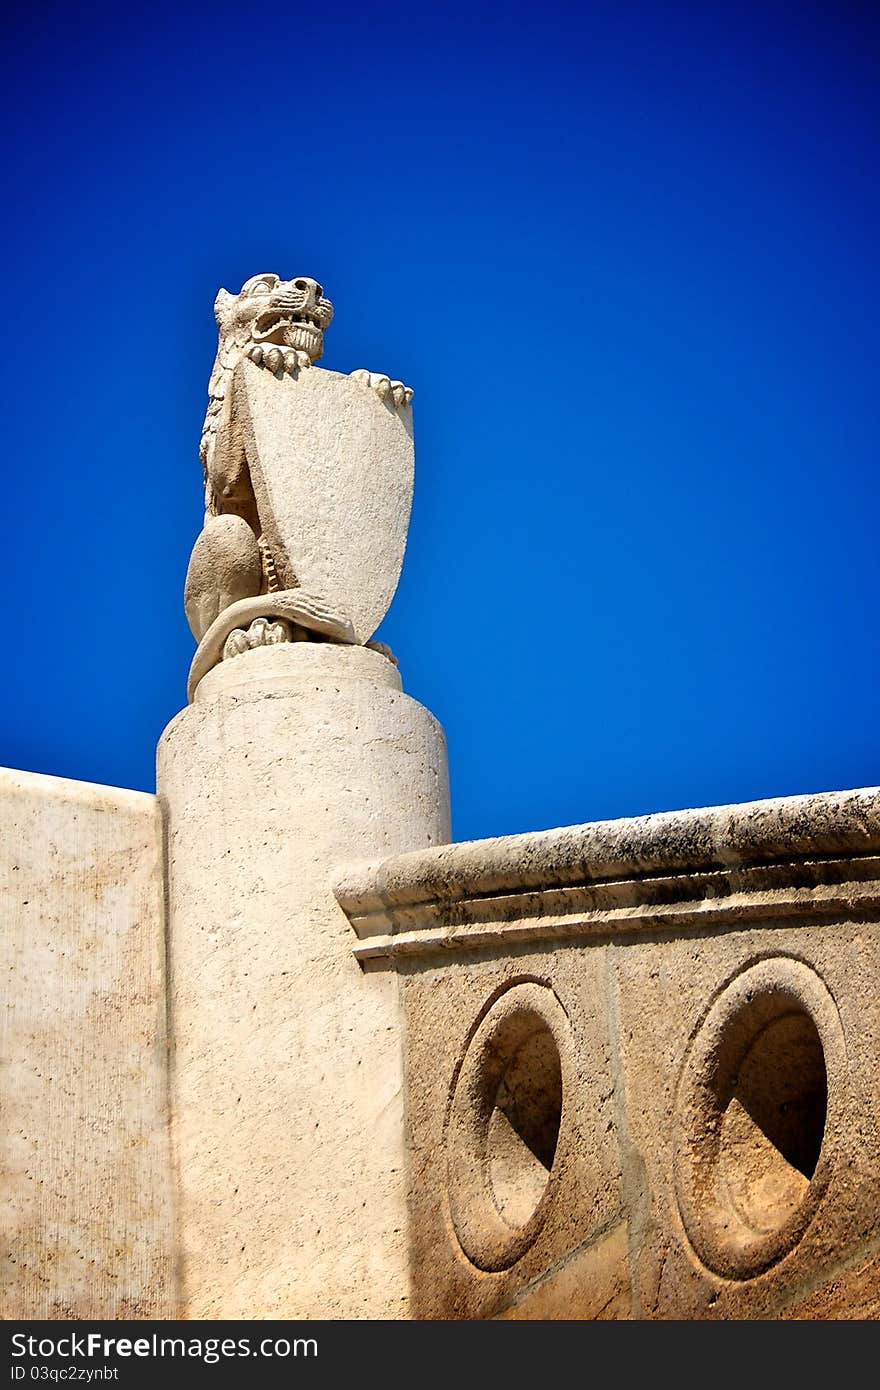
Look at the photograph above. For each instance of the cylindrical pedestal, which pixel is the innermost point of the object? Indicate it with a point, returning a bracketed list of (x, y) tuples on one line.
[(287, 1059)]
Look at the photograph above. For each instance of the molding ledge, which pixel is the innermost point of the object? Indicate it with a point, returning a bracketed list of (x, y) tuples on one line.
[(814, 857)]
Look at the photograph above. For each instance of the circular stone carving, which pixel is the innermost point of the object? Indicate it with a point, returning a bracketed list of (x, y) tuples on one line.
[(503, 1124), (759, 1100)]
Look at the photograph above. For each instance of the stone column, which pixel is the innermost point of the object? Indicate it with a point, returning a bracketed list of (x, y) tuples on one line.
[(286, 1057)]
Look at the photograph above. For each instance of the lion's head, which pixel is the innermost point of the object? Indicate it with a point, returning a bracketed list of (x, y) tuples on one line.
[(280, 313)]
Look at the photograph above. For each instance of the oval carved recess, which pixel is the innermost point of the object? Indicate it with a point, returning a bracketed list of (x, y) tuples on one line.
[(757, 1114), (503, 1125)]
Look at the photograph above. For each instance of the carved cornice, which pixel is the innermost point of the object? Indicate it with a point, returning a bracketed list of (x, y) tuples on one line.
[(809, 857)]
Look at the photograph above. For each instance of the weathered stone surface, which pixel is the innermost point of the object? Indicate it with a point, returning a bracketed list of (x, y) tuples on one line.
[(851, 1293), (461, 1265), (677, 865), (719, 971), (288, 1058), (87, 1188), (591, 1286), (773, 1197)]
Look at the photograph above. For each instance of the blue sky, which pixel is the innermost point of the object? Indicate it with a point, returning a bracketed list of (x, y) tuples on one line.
[(626, 255)]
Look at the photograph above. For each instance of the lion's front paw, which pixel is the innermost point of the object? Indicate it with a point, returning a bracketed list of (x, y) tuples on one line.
[(384, 386), (261, 633), (279, 360)]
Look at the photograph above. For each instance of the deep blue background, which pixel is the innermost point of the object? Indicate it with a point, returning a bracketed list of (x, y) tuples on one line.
[(626, 254)]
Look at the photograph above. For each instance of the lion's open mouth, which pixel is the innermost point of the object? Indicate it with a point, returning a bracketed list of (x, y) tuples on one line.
[(269, 325), (281, 328)]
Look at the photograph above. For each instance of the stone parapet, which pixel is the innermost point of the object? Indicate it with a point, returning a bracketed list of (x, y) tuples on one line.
[(641, 1062)]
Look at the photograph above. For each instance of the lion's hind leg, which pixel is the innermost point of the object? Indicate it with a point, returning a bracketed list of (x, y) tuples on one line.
[(225, 566)]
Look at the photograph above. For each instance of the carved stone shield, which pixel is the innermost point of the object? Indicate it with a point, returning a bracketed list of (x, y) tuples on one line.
[(331, 466)]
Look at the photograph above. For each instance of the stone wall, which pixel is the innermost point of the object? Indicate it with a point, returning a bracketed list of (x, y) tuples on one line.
[(642, 1061), (85, 1166), (639, 1064)]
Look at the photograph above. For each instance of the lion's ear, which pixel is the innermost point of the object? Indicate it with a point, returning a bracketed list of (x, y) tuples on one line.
[(222, 305)]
